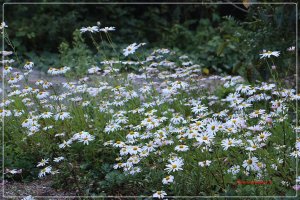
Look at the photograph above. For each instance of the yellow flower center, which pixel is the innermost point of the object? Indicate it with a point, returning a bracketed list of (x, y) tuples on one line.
[(259, 164), (262, 136)]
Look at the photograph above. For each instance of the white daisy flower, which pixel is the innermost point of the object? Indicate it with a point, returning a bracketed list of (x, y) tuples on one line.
[(168, 179), (159, 194), (174, 165), (268, 54)]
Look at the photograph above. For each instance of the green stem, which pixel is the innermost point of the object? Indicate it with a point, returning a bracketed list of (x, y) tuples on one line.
[(11, 45)]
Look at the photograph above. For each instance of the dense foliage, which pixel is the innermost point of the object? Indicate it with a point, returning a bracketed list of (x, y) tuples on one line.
[(223, 38)]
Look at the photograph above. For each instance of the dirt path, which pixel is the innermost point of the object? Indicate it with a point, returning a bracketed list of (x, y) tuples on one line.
[(40, 187)]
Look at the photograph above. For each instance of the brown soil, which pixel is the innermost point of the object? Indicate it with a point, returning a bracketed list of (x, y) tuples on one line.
[(42, 187)]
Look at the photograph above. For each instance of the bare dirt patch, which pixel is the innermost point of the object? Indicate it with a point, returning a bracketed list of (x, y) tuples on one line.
[(42, 187)]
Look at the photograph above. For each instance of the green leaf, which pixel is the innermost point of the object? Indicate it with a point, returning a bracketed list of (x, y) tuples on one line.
[(221, 48)]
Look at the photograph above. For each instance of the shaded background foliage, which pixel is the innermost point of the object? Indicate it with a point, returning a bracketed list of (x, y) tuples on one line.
[(224, 38)]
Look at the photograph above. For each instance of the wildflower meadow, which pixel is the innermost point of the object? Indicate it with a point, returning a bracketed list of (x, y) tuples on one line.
[(149, 123)]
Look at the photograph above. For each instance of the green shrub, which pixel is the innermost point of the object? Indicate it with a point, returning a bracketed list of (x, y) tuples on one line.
[(77, 56)]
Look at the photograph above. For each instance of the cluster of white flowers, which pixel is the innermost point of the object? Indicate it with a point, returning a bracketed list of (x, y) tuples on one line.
[(173, 122), (95, 29), (55, 71)]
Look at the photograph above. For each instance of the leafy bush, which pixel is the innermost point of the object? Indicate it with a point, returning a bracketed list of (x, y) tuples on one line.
[(222, 44), (231, 45), (78, 56)]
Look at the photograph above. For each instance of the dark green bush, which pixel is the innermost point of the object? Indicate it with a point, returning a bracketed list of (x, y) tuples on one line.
[(224, 38)]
